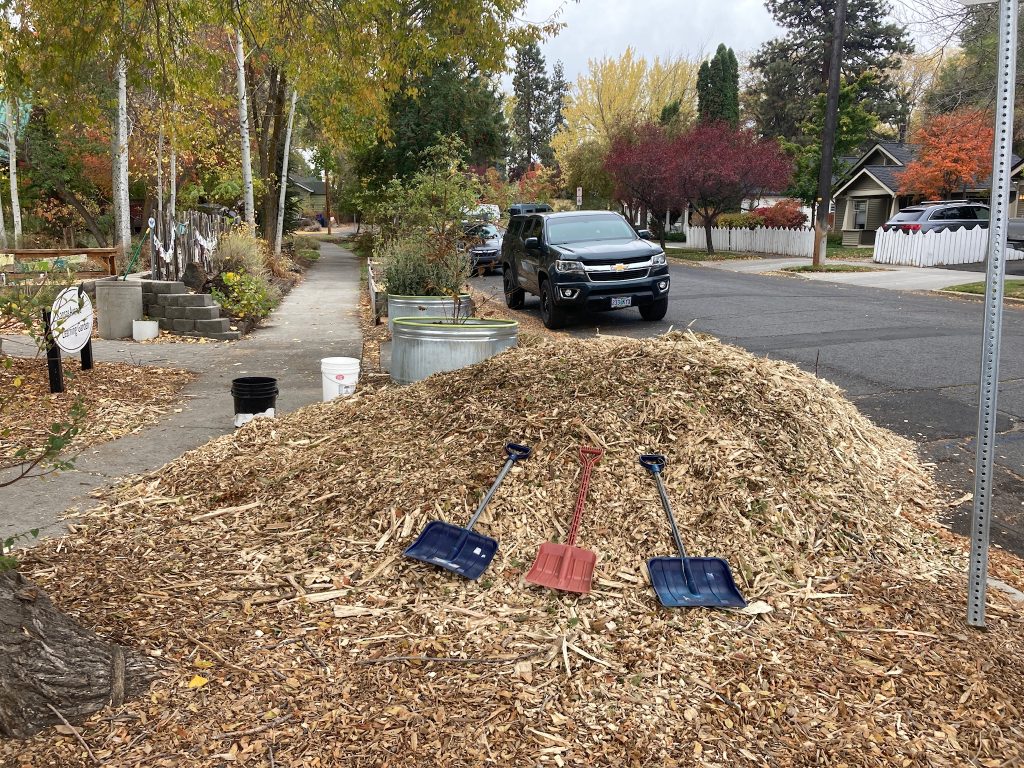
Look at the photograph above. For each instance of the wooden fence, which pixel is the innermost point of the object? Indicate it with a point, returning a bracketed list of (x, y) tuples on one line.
[(189, 238), (935, 249), (782, 242)]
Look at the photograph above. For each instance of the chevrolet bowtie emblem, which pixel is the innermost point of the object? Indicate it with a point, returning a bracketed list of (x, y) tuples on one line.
[(619, 268)]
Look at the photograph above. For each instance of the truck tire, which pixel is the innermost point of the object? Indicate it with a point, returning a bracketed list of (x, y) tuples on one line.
[(554, 316), (514, 295), (655, 310)]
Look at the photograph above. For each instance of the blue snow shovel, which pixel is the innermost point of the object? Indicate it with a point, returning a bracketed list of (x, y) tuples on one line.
[(688, 582), (460, 550)]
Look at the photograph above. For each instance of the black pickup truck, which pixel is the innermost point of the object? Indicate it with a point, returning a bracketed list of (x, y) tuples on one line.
[(582, 260)]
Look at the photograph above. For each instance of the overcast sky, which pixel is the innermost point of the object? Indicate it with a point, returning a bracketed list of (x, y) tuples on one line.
[(596, 28)]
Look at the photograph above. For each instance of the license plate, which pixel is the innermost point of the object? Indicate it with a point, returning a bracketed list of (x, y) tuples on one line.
[(622, 301)]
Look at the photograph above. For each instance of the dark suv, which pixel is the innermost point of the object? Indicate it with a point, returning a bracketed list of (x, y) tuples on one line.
[(938, 216), (582, 260)]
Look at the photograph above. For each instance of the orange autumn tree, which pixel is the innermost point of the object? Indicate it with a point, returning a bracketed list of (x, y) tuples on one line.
[(954, 151)]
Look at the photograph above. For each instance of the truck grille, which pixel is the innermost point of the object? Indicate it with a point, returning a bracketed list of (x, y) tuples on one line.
[(629, 274)]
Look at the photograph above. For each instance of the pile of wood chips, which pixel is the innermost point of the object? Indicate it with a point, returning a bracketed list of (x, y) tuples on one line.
[(266, 570), (119, 399)]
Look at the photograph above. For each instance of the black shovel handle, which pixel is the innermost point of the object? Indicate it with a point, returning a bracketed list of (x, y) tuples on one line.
[(655, 463), (515, 452)]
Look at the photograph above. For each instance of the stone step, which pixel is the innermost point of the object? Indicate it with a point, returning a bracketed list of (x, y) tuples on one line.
[(176, 313), (200, 313), (194, 300), (164, 286), (183, 324), (225, 336), (218, 325), (155, 311)]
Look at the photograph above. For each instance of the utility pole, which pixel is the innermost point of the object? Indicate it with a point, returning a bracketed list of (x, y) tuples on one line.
[(828, 135)]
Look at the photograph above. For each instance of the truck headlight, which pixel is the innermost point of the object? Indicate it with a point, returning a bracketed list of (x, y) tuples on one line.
[(658, 260), (563, 265)]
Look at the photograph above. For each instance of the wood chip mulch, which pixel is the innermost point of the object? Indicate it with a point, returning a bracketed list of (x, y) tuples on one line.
[(266, 570), (119, 399)]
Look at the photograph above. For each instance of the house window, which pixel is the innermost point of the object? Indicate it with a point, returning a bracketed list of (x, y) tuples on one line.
[(860, 214)]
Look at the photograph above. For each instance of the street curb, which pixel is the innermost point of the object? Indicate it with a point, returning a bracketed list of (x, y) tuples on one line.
[(976, 296)]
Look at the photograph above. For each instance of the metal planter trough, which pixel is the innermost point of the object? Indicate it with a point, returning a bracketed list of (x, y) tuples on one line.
[(426, 306), (421, 347)]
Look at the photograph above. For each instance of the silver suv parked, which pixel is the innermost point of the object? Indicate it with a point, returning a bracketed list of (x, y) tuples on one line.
[(938, 216)]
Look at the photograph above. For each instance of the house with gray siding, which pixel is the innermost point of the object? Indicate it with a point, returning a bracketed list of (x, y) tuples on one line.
[(867, 195)]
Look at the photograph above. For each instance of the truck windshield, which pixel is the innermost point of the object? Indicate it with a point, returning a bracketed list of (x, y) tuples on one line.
[(581, 229)]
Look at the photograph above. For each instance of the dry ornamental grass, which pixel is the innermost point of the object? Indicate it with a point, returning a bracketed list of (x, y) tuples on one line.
[(266, 570)]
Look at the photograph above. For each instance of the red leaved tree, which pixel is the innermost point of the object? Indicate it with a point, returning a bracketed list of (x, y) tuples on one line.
[(719, 166), (954, 151), (642, 164)]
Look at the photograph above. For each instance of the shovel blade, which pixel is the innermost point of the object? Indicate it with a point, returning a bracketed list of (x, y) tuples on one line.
[(559, 566), (694, 582), (453, 548)]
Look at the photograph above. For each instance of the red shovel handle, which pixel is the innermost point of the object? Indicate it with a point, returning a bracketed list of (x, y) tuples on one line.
[(589, 457)]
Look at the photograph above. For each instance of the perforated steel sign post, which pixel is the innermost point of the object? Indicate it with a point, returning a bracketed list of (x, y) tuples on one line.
[(995, 271)]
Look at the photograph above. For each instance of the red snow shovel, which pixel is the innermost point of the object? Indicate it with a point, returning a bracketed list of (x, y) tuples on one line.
[(566, 566)]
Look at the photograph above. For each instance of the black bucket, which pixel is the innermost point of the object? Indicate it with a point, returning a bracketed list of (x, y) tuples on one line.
[(254, 395)]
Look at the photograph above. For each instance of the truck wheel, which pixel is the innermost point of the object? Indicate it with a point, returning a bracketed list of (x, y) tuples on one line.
[(656, 310), (554, 317), (514, 296)]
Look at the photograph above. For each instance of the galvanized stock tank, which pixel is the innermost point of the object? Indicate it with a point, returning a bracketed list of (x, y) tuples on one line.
[(427, 306), (420, 347)]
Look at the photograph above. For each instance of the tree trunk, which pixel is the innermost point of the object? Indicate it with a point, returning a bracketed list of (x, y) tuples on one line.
[(48, 662), (91, 224), (3, 226), (279, 234), (12, 164), (115, 184), (124, 235), (708, 226), (172, 173), (243, 130)]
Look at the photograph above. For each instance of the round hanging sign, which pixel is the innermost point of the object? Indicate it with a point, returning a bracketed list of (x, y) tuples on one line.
[(71, 320)]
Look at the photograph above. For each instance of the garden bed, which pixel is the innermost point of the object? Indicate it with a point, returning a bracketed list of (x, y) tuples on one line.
[(265, 569)]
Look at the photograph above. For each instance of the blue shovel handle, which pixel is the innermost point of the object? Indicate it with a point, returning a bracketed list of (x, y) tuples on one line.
[(515, 453), (655, 462)]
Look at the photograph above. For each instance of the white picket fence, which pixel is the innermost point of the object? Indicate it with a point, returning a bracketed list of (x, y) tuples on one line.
[(935, 249), (782, 242)]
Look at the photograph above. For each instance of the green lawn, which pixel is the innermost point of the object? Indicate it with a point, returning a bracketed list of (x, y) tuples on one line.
[(1013, 289), (847, 252), (830, 268), (689, 254)]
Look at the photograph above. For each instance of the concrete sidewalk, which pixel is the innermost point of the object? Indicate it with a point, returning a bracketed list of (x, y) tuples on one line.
[(889, 276), (319, 318)]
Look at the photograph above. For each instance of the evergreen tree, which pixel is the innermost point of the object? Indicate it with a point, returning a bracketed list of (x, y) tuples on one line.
[(536, 107), (557, 92), (718, 88), (791, 71), (452, 99)]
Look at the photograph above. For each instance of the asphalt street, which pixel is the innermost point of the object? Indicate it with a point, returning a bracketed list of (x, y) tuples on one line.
[(909, 360)]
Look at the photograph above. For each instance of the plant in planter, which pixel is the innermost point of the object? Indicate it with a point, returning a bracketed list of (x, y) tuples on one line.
[(426, 272)]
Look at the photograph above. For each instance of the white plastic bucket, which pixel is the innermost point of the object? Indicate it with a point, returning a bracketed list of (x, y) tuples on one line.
[(339, 375), (143, 330)]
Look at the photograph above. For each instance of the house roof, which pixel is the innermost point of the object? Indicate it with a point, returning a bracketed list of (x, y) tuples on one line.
[(311, 184), (901, 153)]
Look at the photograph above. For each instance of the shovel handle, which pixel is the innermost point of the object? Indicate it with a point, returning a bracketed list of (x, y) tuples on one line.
[(515, 452), (655, 463), (589, 456)]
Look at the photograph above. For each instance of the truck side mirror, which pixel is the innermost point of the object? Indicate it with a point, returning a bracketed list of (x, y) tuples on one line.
[(532, 242), (645, 234)]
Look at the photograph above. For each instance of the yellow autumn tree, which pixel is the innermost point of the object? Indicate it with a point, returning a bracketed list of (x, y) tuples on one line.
[(615, 93)]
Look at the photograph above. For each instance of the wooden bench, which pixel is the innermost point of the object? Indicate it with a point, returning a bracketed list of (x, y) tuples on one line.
[(34, 256)]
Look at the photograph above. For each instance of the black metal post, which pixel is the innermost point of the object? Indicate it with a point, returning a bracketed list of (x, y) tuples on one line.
[(87, 356), (53, 365)]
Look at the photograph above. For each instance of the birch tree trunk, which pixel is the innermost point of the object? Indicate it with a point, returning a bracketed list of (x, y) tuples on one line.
[(172, 172), (12, 160), (243, 129), (125, 222), (115, 182), (3, 225), (159, 199), (284, 175)]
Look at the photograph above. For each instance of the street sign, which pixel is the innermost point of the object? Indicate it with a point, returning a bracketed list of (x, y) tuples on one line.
[(71, 319), (579, 197)]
